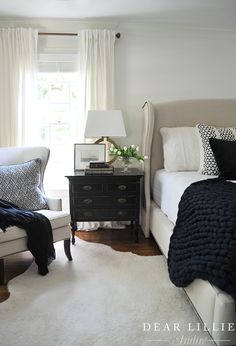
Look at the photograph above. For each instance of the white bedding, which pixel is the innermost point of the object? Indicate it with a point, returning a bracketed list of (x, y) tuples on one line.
[(168, 188)]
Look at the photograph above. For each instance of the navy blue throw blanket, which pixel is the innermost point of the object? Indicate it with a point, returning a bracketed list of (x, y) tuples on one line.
[(203, 244), (38, 229)]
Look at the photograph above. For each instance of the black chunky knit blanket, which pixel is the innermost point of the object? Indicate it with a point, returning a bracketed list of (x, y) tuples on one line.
[(203, 244), (38, 229)]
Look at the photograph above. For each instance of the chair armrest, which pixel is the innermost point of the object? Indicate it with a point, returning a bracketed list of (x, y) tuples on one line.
[(54, 203)]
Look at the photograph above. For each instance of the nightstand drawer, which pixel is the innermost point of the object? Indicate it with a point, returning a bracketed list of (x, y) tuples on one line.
[(86, 188), (122, 187), (101, 215), (105, 201)]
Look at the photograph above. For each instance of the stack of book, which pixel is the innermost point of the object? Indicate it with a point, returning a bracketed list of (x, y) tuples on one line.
[(97, 168)]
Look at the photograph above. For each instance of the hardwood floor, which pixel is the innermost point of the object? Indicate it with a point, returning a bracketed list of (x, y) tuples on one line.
[(120, 240)]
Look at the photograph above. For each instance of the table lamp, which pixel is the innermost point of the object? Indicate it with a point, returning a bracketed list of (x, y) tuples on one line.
[(105, 124)]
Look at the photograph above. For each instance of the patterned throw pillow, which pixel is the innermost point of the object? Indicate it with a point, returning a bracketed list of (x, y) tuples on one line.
[(208, 165), (19, 184)]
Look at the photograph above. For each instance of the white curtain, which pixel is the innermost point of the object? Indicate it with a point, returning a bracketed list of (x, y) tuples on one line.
[(96, 65), (18, 57), (96, 55)]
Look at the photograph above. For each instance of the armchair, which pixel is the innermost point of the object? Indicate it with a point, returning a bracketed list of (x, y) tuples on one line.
[(15, 239)]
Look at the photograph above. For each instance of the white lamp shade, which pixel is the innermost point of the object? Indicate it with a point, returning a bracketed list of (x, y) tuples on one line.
[(104, 124)]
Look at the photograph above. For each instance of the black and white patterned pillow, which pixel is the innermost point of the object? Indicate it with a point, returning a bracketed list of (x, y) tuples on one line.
[(19, 184), (208, 165)]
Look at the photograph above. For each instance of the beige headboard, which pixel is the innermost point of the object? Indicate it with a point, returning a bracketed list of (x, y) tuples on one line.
[(218, 112)]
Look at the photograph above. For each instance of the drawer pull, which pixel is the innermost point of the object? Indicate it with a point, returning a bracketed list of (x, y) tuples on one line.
[(121, 213), (87, 187), (88, 213), (87, 201), (122, 187), (122, 200)]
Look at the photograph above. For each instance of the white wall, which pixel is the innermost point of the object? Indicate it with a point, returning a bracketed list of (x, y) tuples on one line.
[(165, 63)]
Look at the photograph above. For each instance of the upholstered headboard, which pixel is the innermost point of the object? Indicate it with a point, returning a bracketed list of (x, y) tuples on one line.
[(218, 112)]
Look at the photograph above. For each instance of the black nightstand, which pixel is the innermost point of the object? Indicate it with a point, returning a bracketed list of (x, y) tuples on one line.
[(105, 198)]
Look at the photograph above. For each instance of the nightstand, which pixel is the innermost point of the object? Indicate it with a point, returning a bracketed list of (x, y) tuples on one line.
[(105, 198)]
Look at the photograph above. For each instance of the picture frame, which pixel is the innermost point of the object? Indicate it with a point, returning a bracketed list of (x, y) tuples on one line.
[(86, 152)]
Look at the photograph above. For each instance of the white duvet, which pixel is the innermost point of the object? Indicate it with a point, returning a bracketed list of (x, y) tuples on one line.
[(168, 188)]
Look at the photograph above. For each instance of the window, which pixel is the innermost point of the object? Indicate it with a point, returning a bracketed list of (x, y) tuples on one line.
[(57, 112)]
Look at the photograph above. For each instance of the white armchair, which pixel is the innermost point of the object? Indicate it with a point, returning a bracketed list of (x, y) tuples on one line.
[(15, 239)]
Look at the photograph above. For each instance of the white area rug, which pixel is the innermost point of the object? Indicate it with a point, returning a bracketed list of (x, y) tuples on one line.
[(102, 298)]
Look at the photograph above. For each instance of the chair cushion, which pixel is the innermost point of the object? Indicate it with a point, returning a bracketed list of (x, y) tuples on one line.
[(57, 219)]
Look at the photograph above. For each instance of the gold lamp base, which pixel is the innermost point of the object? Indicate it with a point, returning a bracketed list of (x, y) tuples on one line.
[(108, 141)]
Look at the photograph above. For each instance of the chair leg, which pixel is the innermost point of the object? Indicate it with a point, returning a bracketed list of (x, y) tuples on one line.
[(67, 249), (1, 271)]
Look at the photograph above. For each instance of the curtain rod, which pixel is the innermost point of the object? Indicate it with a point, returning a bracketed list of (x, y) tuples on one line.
[(65, 34)]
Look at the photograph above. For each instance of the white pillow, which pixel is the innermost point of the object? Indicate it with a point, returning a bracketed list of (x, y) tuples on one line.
[(208, 164), (180, 148)]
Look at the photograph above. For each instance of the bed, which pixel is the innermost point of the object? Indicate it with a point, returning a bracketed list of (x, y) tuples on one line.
[(159, 209)]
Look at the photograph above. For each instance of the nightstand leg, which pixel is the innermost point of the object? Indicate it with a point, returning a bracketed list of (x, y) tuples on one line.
[(136, 230), (73, 229), (1, 271)]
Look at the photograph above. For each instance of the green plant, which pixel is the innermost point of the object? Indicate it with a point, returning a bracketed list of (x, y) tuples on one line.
[(126, 152)]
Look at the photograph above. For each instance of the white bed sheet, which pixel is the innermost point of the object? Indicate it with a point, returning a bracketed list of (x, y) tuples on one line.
[(168, 188)]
